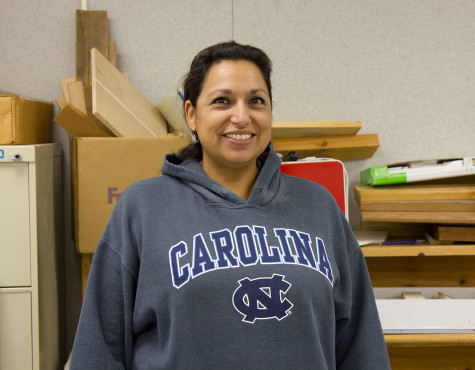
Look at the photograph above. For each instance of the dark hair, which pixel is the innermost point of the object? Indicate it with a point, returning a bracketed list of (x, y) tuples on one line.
[(200, 66)]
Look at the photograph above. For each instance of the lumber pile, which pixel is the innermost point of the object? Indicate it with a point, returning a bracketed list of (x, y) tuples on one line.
[(445, 211), (332, 139), (100, 101)]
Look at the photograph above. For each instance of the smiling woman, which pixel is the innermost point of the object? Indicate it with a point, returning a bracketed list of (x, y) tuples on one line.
[(228, 106), (232, 119), (224, 262)]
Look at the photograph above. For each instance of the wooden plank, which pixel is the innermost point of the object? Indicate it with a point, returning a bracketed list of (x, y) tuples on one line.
[(338, 147), (76, 95), (441, 295), (455, 233), (429, 340), (412, 295), (419, 217), (432, 356), (432, 205), (112, 55), (314, 128), (60, 102), (422, 271), (65, 87), (92, 31), (418, 250), (120, 105), (414, 192), (78, 124)]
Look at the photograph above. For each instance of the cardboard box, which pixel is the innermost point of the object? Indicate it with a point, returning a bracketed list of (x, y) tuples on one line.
[(101, 168), (25, 121)]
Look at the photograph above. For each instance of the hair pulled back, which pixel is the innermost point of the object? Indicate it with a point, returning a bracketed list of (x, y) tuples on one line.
[(200, 66)]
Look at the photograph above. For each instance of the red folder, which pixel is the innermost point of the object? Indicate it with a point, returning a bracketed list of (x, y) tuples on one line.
[(327, 172)]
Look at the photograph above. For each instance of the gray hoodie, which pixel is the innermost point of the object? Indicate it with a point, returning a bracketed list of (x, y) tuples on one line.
[(189, 275)]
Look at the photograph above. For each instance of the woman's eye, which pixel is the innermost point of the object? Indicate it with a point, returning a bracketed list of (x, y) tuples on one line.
[(257, 101), (220, 100)]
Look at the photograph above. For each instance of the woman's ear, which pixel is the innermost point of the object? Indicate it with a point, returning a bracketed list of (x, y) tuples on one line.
[(190, 115)]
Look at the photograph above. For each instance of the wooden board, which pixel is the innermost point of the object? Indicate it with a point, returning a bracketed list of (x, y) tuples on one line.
[(60, 102), (412, 295), (455, 233), (337, 147), (427, 351), (65, 87), (92, 31), (78, 124), (422, 250), (419, 217), (112, 55), (120, 105), (76, 95), (414, 192), (314, 128), (431, 205), (422, 271)]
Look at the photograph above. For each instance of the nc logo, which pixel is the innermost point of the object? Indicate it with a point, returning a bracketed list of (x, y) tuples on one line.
[(262, 298)]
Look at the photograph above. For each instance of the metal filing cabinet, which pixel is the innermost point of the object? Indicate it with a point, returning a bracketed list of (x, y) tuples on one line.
[(30, 283)]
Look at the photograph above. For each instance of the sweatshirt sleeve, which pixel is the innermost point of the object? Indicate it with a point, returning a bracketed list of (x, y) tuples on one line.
[(104, 335), (359, 338)]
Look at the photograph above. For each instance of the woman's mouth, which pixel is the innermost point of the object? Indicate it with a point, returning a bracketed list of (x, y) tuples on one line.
[(243, 137)]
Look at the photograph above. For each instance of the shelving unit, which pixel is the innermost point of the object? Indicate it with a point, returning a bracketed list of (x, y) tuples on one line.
[(415, 209), (425, 266)]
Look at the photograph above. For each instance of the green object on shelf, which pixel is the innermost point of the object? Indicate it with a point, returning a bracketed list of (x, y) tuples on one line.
[(381, 176)]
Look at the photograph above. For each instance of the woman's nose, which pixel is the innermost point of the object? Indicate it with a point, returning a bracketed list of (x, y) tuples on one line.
[(240, 115)]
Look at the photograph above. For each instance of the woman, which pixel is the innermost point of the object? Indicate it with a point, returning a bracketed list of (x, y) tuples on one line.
[(224, 262)]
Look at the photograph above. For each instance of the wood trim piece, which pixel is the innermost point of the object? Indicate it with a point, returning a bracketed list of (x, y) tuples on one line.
[(431, 205), (419, 217), (314, 128), (455, 233), (414, 192), (427, 340), (119, 105), (418, 250), (77, 124), (338, 147)]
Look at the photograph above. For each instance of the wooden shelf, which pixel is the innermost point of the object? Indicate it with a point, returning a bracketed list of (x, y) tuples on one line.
[(419, 250), (431, 351), (421, 265), (429, 340)]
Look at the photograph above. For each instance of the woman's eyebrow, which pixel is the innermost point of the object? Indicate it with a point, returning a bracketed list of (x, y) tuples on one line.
[(229, 91), (220, 91), (255, 91)]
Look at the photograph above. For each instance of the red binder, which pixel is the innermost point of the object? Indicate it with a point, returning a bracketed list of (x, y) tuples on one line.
[(327, 172)]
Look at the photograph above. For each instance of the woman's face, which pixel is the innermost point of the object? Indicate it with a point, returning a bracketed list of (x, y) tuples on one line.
[(233, 115)]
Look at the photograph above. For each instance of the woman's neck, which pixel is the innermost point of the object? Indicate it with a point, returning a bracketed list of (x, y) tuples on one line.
[(239, 181)]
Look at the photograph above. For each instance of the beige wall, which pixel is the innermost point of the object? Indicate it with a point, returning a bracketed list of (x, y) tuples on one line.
[(404, 68)]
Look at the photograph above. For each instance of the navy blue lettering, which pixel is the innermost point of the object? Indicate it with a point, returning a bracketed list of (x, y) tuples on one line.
[(246, 246), (323, 263), (180, 276), (223, 244), (282, 235), (262, 241), (202, 261), (303, 247)]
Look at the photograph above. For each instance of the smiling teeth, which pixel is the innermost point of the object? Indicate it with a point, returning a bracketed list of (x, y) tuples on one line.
[(239, 137)]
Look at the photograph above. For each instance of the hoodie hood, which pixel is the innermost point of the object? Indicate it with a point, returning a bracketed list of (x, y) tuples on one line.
[(190, 172)]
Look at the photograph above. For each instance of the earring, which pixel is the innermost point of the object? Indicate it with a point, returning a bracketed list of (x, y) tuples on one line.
[(194, 137)]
